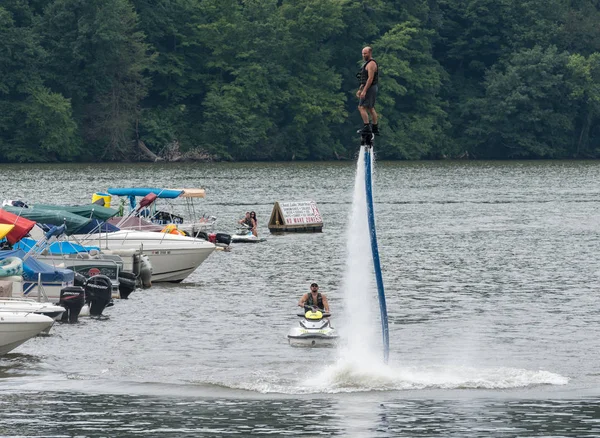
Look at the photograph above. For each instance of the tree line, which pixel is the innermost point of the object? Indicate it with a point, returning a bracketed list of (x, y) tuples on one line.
[(100, 80)]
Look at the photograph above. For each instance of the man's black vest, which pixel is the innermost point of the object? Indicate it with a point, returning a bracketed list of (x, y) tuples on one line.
[(310, 302), (364, 74)]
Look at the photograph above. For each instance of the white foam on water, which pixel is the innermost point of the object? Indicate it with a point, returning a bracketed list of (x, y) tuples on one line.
[(353, 377)]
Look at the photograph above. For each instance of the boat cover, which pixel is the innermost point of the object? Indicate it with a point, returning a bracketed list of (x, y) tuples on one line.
[(33, 267), (98, 226), (91, 211), (55, 217), (22, 226), (62, 247)]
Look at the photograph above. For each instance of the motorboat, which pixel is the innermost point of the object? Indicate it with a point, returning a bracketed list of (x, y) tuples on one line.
[(39, 280), (125, 270), (24, 305), (191, 225), (314, 330), (145, 216), (244, 235), (27, 305), (173, 257), (18, 327)]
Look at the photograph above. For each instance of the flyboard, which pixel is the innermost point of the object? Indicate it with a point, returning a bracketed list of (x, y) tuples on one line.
[(367, 141)]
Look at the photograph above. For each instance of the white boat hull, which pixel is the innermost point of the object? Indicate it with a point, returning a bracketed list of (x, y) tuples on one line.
[(17, 327), (173, 257)]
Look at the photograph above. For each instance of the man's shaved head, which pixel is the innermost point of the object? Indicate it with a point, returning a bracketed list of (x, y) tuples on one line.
[(366, 53)]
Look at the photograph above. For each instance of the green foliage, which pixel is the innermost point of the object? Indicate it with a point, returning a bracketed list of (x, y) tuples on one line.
[(275, 79), (526, 111), (410, 84), (584, 80), (105, 58)]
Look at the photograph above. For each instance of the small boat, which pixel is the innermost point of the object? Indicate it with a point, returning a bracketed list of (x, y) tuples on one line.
[(172, 257), (39, 279), (244, 235), (314, 330), (28, 305), (192, 224), (18, 327)]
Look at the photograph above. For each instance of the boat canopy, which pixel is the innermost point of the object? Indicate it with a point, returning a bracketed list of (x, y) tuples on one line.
[(91, 211), (33, 267), (62, 247), (22, 226), (140, 191), (54, 217), (192, 193)]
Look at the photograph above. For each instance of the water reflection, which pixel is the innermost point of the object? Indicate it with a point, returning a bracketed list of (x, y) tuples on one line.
[(68, 414)]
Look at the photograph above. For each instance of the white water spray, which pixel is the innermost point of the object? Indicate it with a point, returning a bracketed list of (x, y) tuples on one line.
[(360, 321)]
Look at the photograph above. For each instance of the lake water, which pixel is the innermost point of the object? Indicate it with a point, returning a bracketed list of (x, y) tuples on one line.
[(491, 276)]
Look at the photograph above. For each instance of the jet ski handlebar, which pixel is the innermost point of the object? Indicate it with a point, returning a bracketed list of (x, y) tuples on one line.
[(314, 309)]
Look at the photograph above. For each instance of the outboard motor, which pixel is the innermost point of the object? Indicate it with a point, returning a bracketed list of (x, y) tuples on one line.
[(72, 298), (98, 293), (127, 283), (223, 238), (79, 280)]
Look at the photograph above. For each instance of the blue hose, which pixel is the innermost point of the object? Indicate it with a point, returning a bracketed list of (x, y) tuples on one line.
[(373, 232)]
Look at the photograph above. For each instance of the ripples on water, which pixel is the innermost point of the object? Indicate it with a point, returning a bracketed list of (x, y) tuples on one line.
[(490, 275)]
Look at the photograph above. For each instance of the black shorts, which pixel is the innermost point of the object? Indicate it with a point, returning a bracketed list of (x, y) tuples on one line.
[(369, 100)]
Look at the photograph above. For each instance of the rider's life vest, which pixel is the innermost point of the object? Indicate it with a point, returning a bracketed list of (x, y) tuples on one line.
[(310, 302), (364, 74)]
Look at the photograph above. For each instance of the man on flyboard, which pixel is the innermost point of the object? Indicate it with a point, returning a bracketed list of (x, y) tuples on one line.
[(367, 94)]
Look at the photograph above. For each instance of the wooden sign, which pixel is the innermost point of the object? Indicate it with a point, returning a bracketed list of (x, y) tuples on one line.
[(302, 216)]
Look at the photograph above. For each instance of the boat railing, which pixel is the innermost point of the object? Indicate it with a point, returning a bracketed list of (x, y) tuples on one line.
[(40, 289)]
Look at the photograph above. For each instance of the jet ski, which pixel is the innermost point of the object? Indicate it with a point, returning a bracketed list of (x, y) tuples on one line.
[(314, 330), (244, 235)]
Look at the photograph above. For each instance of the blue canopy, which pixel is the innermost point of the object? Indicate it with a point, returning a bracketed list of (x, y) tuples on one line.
[(133, 192), (33, 267), (55, 248), (140, 191)]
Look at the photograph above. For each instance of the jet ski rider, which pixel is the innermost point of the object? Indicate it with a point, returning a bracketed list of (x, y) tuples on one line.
[(314, 299), (247, 220)]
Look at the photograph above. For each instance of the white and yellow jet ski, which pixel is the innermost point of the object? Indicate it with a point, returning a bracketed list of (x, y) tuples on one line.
[(314, 330)]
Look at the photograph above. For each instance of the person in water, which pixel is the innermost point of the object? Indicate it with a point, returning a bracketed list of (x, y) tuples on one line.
[(254, 223), (247, 220), (314, 299), (367, 92)]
